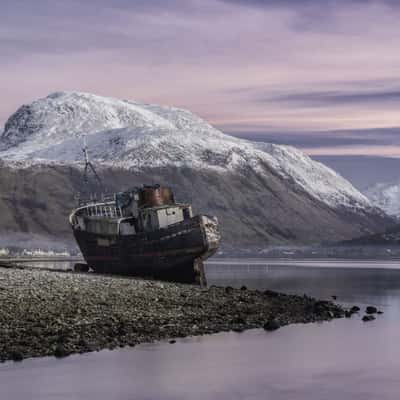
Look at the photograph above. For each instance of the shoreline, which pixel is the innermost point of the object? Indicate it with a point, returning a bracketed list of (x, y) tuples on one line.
[(55, 313), (219, 260), (393, 264)]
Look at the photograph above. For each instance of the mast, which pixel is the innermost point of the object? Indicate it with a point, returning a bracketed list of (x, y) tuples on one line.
[(90, 168)]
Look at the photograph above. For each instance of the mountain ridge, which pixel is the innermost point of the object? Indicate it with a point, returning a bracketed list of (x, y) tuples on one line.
[(262, 193)]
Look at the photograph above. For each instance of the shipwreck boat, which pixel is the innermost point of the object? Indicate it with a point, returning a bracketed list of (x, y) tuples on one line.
[(144, 232)]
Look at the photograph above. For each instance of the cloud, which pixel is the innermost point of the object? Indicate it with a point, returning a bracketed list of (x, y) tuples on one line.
[(306, 140), (315, 15), (323, 139), (308, 3), (339, 97), (382, 151)]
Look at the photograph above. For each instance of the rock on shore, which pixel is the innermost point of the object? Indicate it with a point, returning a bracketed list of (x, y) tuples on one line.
[(46, 313)]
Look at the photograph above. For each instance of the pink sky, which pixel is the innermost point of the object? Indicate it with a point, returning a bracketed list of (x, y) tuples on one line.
[(246, 66)]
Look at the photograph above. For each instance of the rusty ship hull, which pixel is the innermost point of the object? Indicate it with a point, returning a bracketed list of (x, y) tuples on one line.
[(174, 253)]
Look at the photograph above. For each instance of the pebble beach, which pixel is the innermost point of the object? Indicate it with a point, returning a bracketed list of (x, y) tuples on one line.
[(55, 313)]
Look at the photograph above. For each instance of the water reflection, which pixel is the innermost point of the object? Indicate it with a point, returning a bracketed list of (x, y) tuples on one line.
[(377, 285)]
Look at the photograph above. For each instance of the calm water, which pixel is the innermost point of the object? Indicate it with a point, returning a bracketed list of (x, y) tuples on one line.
[(342, 359)]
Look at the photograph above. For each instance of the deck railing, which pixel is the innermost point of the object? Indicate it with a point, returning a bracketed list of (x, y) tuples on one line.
[(103, 210)]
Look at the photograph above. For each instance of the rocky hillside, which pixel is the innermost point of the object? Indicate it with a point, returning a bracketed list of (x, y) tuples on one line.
[(262, 193), (388, 238)]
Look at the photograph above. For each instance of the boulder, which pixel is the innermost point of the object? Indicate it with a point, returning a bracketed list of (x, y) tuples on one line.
[(367, 318), (271, 325), (81, 267), (16, 355), (60, 351), (229, 289)]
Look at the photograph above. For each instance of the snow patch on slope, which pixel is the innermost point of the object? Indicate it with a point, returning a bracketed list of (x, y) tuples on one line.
[(385, 196), (131, 135), (312, 176)]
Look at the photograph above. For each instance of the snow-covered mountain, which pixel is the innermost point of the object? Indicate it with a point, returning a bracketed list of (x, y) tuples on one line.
[(130, 135), (385, 196), (260, 191)]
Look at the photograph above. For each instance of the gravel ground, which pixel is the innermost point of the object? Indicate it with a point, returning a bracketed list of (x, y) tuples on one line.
[(44, 313)]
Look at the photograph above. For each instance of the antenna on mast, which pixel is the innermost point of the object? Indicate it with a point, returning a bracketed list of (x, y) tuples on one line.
[(85, 152)]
